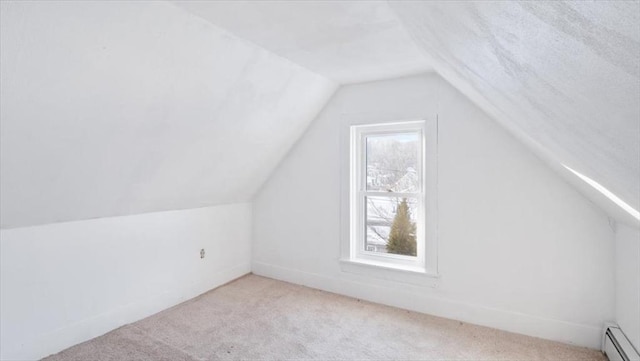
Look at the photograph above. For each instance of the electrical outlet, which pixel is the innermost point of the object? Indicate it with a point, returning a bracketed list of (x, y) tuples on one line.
[(202, 253)]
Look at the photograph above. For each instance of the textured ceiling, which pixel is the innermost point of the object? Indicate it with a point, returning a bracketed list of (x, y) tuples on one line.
[(561, 76), (564, 76), (114, 108), (346, 41)]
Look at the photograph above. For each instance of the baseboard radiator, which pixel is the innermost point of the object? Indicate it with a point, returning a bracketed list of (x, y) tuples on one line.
[(617, 346)]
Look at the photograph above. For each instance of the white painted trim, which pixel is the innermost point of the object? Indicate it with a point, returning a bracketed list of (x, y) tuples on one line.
[(391, 272), (358, 192), (551, 329), (354, 128), (60, 339)]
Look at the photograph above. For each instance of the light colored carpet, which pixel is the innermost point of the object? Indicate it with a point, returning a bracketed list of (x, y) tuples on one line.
[(257, 318)]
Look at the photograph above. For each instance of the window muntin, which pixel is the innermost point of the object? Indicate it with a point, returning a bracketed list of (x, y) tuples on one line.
[(387, 193)]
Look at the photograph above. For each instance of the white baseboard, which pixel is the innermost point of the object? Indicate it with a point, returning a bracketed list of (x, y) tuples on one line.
[(546, 328), (60, 339)]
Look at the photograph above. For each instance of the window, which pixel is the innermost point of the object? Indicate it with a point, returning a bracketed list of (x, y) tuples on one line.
[(391, 195)]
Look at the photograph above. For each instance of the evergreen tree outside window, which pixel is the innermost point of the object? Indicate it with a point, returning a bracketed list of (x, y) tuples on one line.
[(402, 237)]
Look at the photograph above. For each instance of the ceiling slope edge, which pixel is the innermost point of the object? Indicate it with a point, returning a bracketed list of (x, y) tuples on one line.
[(567, 169), (250, 43), (300, 95), (564, 169)]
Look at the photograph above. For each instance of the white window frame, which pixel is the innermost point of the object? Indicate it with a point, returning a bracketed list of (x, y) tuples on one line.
[(354, 231)]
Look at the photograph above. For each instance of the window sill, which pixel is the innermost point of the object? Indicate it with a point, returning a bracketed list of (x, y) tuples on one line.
[(397, 273)]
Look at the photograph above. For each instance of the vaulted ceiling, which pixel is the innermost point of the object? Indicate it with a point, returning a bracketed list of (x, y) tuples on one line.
[(346, 41), (115, 108), (562, 76)]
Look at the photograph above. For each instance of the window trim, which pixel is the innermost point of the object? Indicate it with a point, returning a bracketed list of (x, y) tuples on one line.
[(350, 262), (359, 192)]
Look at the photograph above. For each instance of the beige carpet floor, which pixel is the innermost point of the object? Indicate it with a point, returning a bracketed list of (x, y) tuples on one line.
[(257, 318)]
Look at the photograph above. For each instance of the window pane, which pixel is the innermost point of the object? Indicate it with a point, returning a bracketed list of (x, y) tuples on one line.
[(392, 162), (391, 225)]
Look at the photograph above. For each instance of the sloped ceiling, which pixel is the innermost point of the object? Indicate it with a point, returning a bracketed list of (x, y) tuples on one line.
[(114, 108), (346, 41), (564, 76)]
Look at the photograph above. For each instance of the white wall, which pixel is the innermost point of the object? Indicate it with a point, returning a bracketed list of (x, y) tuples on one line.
[(519, 249), (65, 283), (628, 282)]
